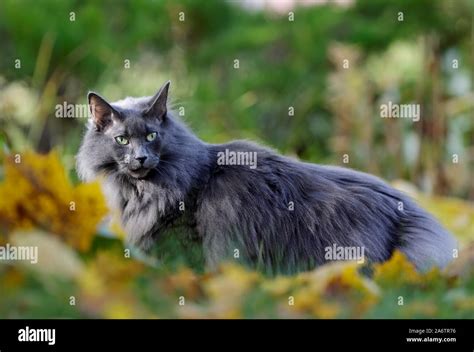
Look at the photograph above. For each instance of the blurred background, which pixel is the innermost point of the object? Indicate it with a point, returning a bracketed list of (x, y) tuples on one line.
[(305, 77)]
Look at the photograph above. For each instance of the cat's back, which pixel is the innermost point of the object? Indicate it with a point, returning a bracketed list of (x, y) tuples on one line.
[(249, 162)]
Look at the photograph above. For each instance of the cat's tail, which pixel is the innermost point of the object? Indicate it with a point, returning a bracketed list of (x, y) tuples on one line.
[(425, 242)]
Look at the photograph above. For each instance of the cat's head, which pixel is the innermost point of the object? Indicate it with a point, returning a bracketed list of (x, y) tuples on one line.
[(125, 136)]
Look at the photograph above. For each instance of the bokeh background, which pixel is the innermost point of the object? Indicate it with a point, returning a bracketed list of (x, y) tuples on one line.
[(273, 71)]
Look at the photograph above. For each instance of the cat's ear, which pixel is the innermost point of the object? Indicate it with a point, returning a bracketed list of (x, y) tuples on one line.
[(101, 111), (158, 102)]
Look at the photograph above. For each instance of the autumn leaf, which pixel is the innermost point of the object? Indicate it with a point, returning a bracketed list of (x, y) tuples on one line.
[(36, 193), (106, 286), (397, 271)]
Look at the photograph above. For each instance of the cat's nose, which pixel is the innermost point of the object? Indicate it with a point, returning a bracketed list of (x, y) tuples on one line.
[(141, 159)]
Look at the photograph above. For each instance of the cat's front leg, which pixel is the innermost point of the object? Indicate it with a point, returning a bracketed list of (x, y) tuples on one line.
[(142, 226)]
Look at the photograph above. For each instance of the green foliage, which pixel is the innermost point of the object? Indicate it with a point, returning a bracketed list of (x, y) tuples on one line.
[(282, 64)]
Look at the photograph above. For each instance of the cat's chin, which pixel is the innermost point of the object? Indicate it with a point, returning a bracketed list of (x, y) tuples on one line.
[(139, 173)]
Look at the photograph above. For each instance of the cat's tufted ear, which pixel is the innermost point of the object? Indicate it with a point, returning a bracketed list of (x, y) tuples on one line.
[(101, 111), (158, 102)]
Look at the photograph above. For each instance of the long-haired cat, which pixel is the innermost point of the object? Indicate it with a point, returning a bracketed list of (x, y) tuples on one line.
[(242, 198)]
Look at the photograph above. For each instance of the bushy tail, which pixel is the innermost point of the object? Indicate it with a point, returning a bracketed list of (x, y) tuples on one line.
[(425, 242)]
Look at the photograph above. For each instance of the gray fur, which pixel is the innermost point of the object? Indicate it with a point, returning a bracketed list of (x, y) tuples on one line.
[(231, 207)]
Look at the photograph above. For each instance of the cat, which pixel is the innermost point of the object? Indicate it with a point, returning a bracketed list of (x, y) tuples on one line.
[(242, 200)]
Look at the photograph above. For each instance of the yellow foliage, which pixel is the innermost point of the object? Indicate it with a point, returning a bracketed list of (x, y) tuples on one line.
[(455, 214), (37, 193), (185, 282), (124, 307), (118, 310), (106, 286), (465, 304), (12, 277), (326, 310), (420, 308), (327, 289), (231, 283), (278, 286), (227, 289), (109, 272), (396, 271), (305, 299), (325, 292)]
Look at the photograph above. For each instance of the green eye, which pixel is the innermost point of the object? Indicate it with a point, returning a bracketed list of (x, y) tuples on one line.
[(121, 140), (151, 136)]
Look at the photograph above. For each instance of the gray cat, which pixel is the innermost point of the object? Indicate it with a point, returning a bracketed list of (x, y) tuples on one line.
[(243, 200)]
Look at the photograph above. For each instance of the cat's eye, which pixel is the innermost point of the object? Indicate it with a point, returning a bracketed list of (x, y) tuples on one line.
[(121, 140), (151, 136)]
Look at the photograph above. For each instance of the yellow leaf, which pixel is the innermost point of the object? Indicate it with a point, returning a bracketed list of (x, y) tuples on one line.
[(278, 286), (396, 271), (37, 193)]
